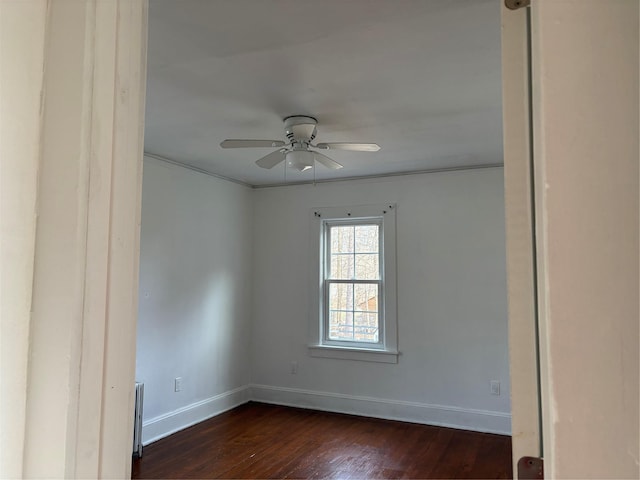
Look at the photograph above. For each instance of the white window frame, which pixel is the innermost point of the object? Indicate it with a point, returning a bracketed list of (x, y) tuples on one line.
[(327, 224), (386, 350)]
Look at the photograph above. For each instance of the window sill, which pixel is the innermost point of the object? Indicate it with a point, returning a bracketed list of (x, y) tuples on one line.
[(347, 353)]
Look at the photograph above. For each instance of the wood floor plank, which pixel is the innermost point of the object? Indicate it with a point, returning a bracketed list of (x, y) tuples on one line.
[(267, 441)]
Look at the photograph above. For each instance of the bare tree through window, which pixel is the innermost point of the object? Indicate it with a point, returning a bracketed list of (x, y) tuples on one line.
[(354, 282)]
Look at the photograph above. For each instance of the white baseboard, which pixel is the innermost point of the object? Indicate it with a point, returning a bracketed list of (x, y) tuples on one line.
[(168, 423), (438, 415)]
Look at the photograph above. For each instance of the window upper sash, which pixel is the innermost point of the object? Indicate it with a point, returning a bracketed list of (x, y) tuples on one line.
[(366, 253)]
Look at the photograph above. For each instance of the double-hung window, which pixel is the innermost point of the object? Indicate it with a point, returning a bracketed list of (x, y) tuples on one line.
[(352, 283), (354, 276)]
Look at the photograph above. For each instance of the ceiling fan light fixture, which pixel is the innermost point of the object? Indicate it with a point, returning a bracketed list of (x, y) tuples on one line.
[(300, 160)]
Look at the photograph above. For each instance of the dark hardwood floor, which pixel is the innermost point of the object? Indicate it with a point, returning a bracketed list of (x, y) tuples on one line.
[(265, 441)]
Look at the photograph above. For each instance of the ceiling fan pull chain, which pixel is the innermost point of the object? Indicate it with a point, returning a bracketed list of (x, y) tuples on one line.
[(285, 170)]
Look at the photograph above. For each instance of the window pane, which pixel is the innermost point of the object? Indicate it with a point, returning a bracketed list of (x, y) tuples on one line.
[(366, 297), (352, 309), (365, 327), (341, 326), (366, 239), (342, 239), (341, 296), (342, 267), (367, 267)]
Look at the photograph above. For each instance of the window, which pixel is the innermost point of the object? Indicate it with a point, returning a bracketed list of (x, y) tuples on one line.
[(354, 284)]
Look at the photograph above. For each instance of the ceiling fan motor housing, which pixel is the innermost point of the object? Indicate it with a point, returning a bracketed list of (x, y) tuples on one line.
[(300, 129)]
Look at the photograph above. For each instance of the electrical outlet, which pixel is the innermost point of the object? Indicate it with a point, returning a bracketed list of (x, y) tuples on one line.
[(294, 368), (495, 387), (177, 384)]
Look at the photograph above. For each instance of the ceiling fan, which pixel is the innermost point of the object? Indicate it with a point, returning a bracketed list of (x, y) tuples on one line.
[(300, 131)]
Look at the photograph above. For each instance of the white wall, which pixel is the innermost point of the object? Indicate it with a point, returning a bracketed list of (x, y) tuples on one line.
[(452, 310), (586, 133), (195, 286)]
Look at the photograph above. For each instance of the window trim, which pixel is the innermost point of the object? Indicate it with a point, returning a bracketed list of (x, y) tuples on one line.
[(386, 350)]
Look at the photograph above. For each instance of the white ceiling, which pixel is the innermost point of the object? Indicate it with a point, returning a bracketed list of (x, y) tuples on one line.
[(419, 77)]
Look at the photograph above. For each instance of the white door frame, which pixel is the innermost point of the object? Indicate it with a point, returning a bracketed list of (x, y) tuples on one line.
[(520, 231), (73, 76), (580, 118)]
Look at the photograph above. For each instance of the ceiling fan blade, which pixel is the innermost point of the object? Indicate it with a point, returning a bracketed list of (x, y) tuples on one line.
[(239, 143), (326, 161), (271, 160), (355, 147)]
